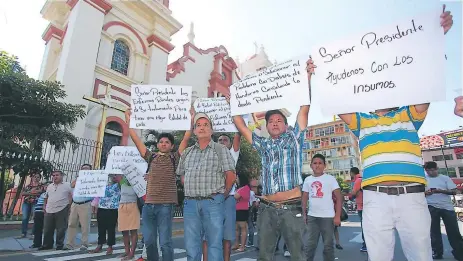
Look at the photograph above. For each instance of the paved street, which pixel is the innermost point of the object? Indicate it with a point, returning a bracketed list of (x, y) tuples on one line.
[(349, 232)]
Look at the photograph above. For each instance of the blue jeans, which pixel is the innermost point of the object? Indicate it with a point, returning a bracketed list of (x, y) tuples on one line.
[(204, 215), (157, 218), (27, 210)]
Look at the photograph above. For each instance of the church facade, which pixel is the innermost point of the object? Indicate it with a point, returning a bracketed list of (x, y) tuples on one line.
[(98, 48)]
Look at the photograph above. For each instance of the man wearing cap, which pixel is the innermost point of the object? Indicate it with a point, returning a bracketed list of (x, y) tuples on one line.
[(280, 211), (207, 171)]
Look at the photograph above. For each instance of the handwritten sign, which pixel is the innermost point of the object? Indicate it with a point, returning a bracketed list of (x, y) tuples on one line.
[(161, 107), (91, 183), (400, 64), (271, 88), (218, 111), (135, 178), (120, 155)]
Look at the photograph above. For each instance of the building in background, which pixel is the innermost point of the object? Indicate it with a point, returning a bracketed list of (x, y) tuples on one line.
[(336, 142), (446, 149)]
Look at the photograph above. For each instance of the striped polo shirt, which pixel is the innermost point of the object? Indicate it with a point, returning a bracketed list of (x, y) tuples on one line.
[(390, 146)]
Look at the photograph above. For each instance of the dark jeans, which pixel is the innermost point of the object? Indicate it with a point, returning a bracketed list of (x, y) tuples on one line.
[(107, 220), (285, 247), (55, 221), (273, 222), (315, 227), (27, 210), (453, 233), (38, 228), (251, 228), (157, 218), (361, 226)]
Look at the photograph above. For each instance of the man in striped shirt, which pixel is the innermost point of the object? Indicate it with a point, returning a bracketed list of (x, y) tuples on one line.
[(280, 211), (393, 179)]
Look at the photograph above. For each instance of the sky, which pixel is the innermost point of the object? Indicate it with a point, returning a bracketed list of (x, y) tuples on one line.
[(285, 28)]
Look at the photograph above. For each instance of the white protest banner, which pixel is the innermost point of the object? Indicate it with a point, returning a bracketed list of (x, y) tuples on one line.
[(135, 177), (161, 107), (271, 88), (218, 111), (91, 183), (398, 65), (120, 155)]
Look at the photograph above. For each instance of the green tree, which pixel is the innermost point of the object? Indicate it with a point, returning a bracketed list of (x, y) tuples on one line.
[(249, 162), (32, 113), (343, 185)]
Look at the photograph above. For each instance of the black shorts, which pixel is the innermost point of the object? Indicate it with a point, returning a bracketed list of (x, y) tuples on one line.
[(242, 215)]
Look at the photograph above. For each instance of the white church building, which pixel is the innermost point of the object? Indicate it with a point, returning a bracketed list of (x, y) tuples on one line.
[(99, 48)]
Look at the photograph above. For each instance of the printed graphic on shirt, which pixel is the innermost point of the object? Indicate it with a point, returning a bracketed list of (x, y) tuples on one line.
[(316, 191)]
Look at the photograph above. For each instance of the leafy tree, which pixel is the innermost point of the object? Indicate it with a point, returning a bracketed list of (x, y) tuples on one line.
[(32, 113), (343, 185), (249, 162)]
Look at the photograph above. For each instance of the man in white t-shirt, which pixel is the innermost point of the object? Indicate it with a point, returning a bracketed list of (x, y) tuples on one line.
[(230, 202), (438, 192), (323, 215)]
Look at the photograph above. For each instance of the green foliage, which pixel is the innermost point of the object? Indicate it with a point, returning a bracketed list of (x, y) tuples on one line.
[(343, 185), (249, 162), (32, 112)]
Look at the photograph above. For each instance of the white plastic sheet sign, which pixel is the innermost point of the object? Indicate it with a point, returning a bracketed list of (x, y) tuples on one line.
[(91, 183), (120, 155), (396, 65), (160, 107), (135, 177), (271, 88), (218, 110)]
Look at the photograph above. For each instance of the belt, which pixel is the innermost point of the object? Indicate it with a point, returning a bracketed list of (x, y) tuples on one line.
[(81, 203), (396, 190), (203, 198), (285, 205)]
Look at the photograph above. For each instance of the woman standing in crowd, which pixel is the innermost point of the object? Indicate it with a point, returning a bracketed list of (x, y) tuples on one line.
[(129, 218), (106, 215), (31, 193), (242, 213)]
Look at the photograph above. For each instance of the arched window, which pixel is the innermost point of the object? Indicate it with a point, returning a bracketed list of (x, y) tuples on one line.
[(121, 56)]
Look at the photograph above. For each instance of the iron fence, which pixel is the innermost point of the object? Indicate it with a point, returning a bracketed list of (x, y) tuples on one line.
[(68, 160)]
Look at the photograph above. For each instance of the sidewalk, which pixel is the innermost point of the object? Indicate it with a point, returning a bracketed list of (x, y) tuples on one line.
[(8, 241)]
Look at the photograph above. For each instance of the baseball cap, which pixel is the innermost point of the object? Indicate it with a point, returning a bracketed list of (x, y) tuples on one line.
[(200, 115)]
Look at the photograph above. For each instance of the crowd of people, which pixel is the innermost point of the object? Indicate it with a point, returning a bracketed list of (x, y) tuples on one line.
[(392, 193)]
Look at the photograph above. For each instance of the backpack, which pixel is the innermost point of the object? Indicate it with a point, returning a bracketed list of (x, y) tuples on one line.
[(217, 149)]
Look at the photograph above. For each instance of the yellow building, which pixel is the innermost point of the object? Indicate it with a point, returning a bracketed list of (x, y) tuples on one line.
[(335, 141)]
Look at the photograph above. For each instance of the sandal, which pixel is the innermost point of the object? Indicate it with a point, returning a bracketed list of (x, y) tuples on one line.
[(240, 250), (235, 247), (98, 249)]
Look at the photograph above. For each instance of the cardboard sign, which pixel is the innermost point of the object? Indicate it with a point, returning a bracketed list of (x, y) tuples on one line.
[(135, 177), (218, 111), (120, 155), (271, 88), (397, 65), (161, 107), (91, 183)]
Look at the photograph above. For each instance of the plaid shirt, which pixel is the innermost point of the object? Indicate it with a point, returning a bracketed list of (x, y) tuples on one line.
[(203, 175), (281, 160)]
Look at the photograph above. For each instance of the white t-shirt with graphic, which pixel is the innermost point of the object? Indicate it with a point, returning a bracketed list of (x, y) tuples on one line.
[(235, 156), (320, 191)]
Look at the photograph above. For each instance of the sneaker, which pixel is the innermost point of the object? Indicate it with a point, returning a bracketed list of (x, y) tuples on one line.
[(84, 247), (287, 254), (66, 247), (33, 246), (437, 256), (363, 249), (338, 246)]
